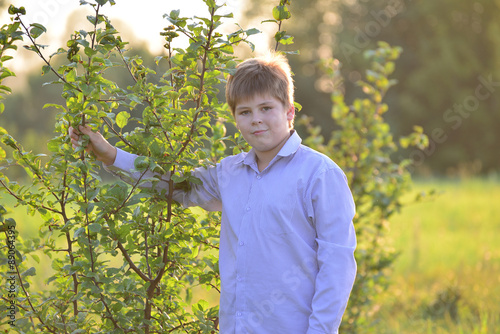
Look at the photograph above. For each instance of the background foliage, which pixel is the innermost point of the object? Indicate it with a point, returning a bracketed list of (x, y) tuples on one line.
[(448, 46)]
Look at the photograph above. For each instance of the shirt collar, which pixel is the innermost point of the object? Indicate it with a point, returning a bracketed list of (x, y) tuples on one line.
[(291, 146)]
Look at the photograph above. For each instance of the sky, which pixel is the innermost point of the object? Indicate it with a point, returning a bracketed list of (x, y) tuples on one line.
[(135, 19)]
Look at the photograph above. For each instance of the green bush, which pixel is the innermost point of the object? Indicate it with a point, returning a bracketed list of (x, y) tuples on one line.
[(131, 255), (365, 148)]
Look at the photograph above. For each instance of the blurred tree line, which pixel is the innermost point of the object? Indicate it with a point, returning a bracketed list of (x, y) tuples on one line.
[(448, 74)]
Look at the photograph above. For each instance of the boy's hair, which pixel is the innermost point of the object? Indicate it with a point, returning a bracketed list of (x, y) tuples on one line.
[(270, 74)]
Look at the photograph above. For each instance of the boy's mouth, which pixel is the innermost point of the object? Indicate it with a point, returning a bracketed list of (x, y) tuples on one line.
[(258, 132)]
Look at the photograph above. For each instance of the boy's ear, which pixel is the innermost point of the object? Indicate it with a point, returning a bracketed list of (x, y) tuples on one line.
[(290, 114)]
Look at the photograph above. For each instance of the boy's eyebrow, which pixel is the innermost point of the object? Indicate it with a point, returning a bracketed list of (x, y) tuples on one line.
[(259, 105)]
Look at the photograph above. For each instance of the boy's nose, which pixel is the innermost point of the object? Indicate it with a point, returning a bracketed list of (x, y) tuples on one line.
[(256, 119)]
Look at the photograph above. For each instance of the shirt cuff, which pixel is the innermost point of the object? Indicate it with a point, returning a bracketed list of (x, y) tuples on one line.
[(315, 331), (124, 161)]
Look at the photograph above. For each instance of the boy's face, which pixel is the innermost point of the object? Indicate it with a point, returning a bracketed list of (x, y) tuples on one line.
[(264, 123)]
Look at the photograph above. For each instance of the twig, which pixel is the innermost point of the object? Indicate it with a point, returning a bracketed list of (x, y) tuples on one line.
[(132, 264), (40, 54)]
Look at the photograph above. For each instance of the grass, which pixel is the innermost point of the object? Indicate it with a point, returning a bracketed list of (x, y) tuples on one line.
[(446, 279)]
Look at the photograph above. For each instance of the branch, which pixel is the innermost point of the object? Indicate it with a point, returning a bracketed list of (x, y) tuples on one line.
[(75, 277), (39, 53), (278, 42), (30, 204), (110, 126), (202, 83), (158, 278), (132, 264), (126, 64)]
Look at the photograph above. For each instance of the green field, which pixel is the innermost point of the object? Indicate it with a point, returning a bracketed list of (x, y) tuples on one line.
[(447, 276)]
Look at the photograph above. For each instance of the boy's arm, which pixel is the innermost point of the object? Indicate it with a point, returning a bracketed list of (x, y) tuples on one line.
[(205, 195), (333, 209), (121, 164)]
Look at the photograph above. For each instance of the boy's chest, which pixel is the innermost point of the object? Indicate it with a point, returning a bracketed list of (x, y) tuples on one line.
[(271, 202)]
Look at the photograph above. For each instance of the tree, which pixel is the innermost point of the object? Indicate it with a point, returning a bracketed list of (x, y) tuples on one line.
[(125, 257)]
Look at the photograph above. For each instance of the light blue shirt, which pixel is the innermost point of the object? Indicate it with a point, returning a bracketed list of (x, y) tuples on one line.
[(287, 241)]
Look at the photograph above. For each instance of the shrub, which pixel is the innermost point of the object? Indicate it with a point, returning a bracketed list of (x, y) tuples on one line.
[(125, 258), (365, 148)]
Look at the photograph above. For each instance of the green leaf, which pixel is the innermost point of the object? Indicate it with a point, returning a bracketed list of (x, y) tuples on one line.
[(53, 105), (210, 3), (71, 76), (286, 40), (14, 10), (273, 21), (174, 14), (92, 19), (45, 69), (281, 13), (30, 272), (37, 30), (79, 232), (122, 119), (141, 163), (252, 31), (177, 178), (53, 145), (5, 88), (95, 227)]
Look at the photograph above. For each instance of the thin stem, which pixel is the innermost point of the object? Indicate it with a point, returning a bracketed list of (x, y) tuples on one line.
[(278, 42), (110, 126), (127, 66), (132, 264), (74, 276), (35, 206), (202, 84), (40, 54)]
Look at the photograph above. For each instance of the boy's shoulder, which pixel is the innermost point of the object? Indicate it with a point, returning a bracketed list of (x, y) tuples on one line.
[(311, 157)]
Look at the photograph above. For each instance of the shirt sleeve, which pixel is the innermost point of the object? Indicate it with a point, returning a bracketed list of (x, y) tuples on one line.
[(332, 210), (206, 195)]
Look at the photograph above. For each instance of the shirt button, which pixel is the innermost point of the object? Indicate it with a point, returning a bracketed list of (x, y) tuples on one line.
[(241, 243), (238, 314), (248, 208), (259, 177), (239, 279)]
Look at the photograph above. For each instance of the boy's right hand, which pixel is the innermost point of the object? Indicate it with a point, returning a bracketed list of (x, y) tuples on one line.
[(98, 145)]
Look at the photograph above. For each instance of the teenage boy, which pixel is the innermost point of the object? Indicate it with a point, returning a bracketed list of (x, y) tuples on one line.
[(287, 241)]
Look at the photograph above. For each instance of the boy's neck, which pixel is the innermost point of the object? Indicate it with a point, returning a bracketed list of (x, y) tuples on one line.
[(265, 158)]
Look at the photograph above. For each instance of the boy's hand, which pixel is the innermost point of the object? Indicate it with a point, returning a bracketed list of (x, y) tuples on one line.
[(102, 149)]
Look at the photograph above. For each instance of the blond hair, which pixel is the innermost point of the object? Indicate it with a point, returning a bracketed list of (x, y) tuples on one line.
[(267, 75)]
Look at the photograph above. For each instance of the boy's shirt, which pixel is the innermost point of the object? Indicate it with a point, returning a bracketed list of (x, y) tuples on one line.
[(287, 241)]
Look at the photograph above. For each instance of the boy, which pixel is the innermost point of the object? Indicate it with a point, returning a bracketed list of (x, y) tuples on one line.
[(286, 256)]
